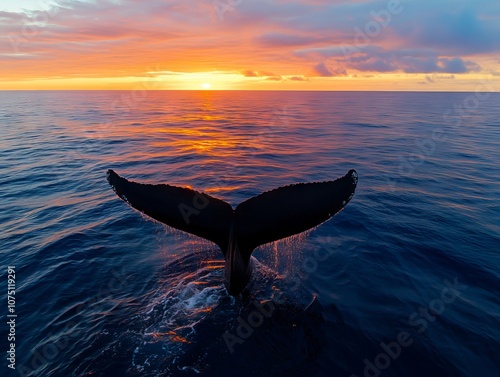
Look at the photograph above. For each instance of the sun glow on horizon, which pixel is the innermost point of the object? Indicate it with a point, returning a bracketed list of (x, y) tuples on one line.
[(216, 80)]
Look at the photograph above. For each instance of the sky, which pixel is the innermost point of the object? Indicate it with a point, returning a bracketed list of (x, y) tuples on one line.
[(420, 45)]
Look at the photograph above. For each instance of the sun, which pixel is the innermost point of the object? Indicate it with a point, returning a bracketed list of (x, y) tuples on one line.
[(206, 85)]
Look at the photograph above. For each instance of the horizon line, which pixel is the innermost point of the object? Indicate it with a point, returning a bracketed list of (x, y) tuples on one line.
[(242, 90)]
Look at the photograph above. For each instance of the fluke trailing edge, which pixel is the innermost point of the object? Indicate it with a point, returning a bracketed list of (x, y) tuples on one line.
[(267, 217)]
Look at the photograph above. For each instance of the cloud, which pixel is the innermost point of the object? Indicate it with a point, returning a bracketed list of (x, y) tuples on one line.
[(373, 59), (455, 30), (412, 64), (249, 73), (322, 70), (110, 38), (280, 40), (436, 78)]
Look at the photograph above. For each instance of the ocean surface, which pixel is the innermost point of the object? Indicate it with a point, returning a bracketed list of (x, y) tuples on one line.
[(405, 281)]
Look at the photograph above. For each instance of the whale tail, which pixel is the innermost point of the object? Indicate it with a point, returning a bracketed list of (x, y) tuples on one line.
[(265, 218)]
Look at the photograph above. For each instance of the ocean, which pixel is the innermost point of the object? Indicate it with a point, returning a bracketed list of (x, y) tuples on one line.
[(404, 281)]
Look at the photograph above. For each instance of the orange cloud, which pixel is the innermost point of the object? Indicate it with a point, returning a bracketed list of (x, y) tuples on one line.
[(291, 45)]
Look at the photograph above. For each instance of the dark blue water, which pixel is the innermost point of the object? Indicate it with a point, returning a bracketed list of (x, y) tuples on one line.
[(404, 282)]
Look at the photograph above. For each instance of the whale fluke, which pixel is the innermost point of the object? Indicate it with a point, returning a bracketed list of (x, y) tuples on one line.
[(181, 208), (265, 218)]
